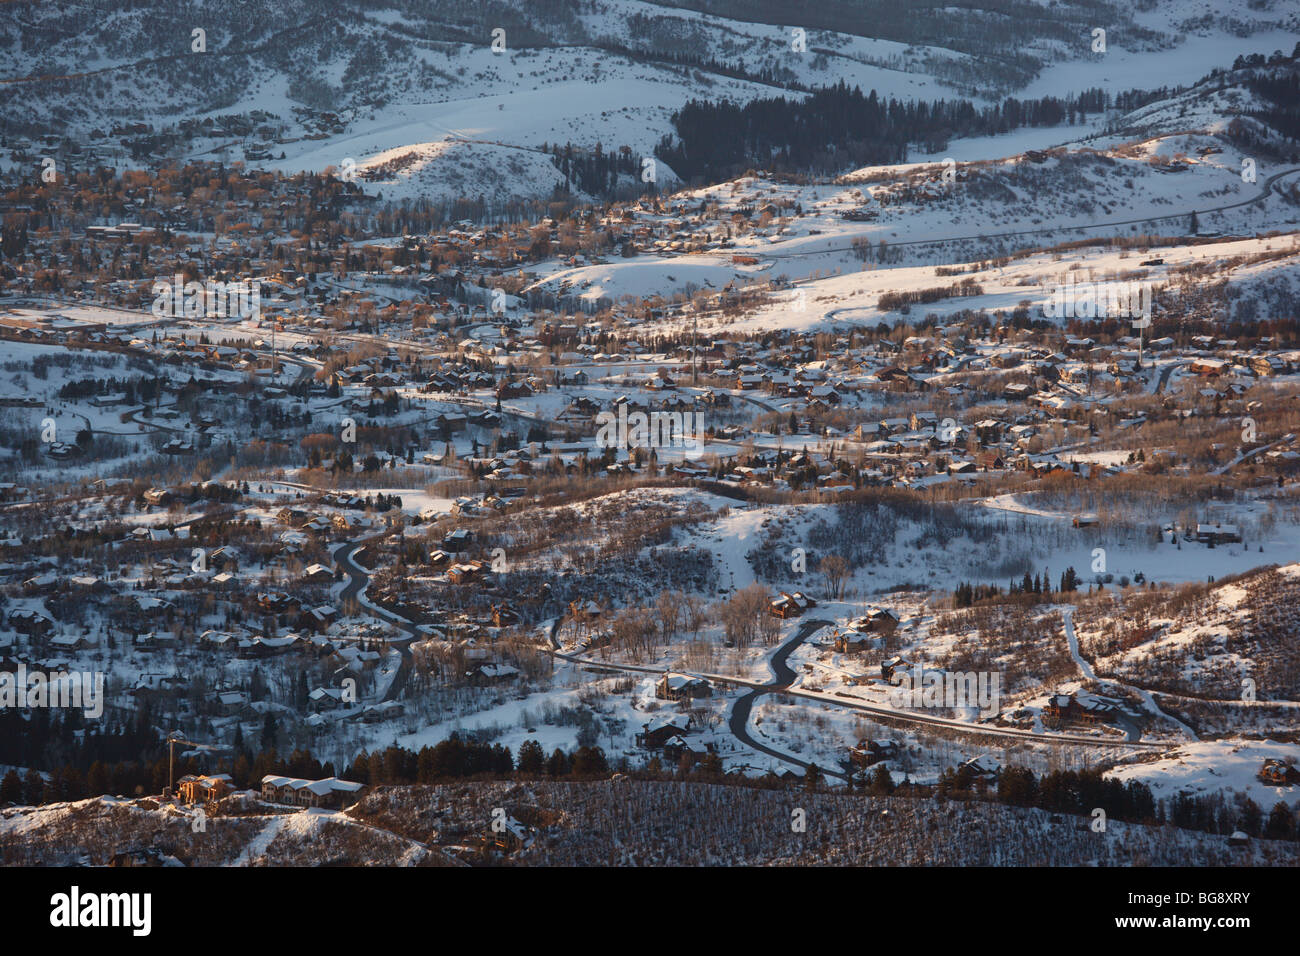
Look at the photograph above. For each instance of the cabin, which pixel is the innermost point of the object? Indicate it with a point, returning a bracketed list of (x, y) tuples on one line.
[(869, 752), (790, 605), (507, 836), (682, 687), (877, 620), (982, 768), (466, 573), (485, 675), (887, 667), (677, 747), (140, 856), (659, 731), (851, 642), (318, 572), (1276, 773), (1208, 368), (457, 541), (1081, 708), (31, 623), (1218, 534)]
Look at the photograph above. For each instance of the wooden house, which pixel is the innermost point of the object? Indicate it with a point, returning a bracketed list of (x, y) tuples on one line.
[(682, 687)]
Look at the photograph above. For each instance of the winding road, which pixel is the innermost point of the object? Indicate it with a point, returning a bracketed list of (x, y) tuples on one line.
[(1086, 669), (784, 676), (358, 581), (782, 683)]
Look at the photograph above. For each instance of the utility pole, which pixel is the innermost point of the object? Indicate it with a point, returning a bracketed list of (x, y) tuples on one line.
[(695, 330), (173, 739)]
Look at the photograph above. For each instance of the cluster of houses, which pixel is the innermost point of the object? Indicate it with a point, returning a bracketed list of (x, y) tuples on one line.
[(330, 793)]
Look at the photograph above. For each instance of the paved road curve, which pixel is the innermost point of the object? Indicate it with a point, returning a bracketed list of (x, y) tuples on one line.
[(784, 677), (358, 581)]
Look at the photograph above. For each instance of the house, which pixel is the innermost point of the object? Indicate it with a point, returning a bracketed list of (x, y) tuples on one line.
[(485, 675), (69, 642), (1208, 367), (676, 747), (328, 698), (376, 713), (466, 573), (509, 390), (318, 572), (505, 616), (790, 605), (682, 687), (657, 732), (888, 667), (276, 602), (1276, 773), (330, 793), (982, 768), (457, 541), (869, 752), (193, 788), (1081, 708), (233, 703), (31, 623), (850, 642), (877, 620), (11, 492), (142, 856), (507, 835), (318, 618), (1218, 534), (224, 559), (587, 610)]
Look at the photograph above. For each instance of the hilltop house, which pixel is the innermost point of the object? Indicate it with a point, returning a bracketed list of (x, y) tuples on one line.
[(193, 788), (331, 793)]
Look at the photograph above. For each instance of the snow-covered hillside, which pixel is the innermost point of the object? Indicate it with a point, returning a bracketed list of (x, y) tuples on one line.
[(321, 86)]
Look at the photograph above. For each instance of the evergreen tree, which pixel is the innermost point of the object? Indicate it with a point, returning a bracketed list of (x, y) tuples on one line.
[(1281, 823), (269, 731), (882, 782), (532, 759), (11, 788)]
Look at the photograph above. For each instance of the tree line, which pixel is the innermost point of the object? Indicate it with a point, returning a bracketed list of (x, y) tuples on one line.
[(837, 128)]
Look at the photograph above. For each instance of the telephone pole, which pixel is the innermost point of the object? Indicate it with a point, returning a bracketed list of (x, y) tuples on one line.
[(173, 739), (695, 331)]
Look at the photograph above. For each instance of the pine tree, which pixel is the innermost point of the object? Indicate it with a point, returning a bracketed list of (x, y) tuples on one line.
[(1281, 823), (11, 788), (882, 782), (532, 759), (269, 731)]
